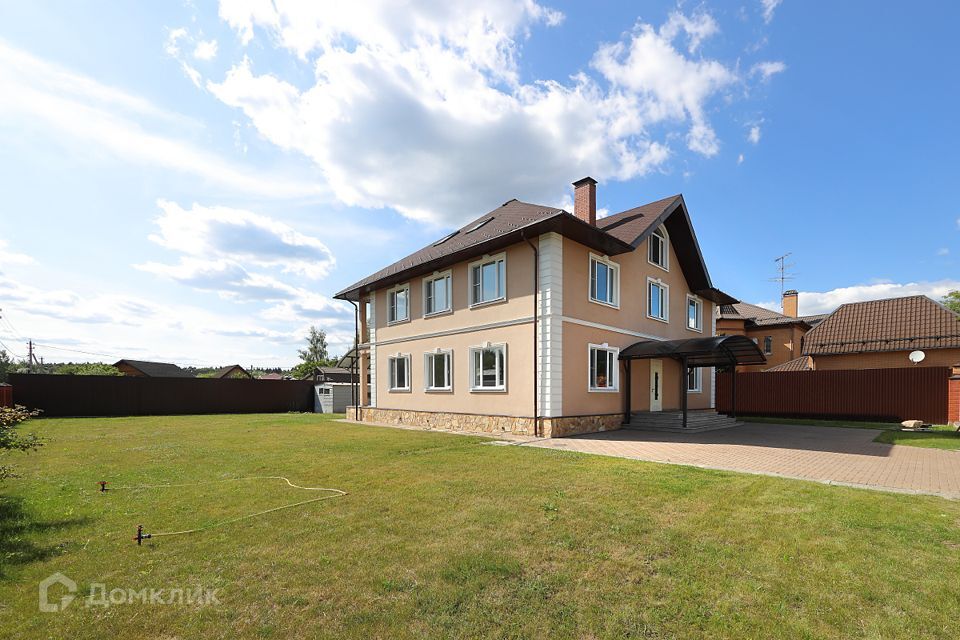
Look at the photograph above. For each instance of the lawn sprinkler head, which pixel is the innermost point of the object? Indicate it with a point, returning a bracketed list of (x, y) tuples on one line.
[(141, 536), (103, 486)]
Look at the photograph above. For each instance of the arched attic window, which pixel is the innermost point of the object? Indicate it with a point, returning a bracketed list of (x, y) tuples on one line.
[(658, 248)]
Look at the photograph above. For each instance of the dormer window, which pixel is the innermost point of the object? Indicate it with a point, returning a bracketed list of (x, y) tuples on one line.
[(658, 249)]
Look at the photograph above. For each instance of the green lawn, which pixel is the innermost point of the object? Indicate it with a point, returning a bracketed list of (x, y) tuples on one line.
[(445, 536), (939, 437)]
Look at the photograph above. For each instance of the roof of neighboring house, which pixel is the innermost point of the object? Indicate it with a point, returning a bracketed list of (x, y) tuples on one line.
[(896, 324), (763, 317), (155, 369), (224, 372), (803, 363), (514, 221), (272, 376)]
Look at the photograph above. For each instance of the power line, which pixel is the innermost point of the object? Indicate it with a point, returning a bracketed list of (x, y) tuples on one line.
[(10, 351), (88, 353)]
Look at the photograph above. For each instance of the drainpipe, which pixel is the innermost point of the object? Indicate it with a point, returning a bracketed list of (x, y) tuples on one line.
[(355, 387), (536, 285)]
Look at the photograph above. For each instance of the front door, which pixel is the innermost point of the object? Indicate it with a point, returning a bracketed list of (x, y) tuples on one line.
[(656, 385)]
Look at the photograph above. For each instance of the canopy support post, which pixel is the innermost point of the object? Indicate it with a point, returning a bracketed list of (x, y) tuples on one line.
[(627, 410), (684, 372), (733, 385)]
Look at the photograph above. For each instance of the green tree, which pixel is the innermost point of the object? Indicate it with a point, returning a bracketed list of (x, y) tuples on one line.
[(87, 369), (11, 439), (315, 355), (952, 301), (6, 365)]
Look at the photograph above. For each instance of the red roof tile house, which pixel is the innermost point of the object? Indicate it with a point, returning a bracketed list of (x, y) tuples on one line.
[(881, 334), (534, 320), (779, 335)]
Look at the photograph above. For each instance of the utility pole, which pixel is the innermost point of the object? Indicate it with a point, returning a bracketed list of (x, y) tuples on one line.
[(783, 273)]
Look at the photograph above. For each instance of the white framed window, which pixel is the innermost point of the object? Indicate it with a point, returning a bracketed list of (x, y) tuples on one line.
[(488, 279), (437, 294), (604, 281), (658, 248), (400, 372), (694, 380), (438, 370), (658, 300), (488, 368), (604, 368), (767, 345), (694, 313), (398, 303)]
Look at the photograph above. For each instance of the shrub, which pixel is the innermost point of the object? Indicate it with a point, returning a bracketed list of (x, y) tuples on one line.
[(13, 440)]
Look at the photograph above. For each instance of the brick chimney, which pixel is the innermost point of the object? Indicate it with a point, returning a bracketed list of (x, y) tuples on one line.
[(790, 303), (585, 200)]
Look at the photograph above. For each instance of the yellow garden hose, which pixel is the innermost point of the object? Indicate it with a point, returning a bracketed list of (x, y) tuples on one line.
[(334, 493)]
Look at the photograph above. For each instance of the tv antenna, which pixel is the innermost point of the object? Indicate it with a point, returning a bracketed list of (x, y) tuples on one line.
[(784, 272)]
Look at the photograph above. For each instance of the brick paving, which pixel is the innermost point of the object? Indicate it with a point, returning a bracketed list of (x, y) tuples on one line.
[(822, 454)]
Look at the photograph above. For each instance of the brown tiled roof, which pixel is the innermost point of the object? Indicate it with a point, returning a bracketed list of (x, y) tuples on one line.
[(509, 223), (803, 363), (632, 224), (897, 324), (482, 234), (223, 372), (760, 316), (156, 369)]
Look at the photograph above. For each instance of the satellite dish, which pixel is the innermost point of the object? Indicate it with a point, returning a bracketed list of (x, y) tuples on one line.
[(916, 357)]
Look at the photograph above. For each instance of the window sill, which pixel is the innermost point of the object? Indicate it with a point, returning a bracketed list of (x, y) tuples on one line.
[(434, 314), (488, 390), (609, 305), (603, 390), (663, 320), (689, 391), (391, 323), (695, 330), (445, 390), (486, 303), (407, 390), (659, 266)]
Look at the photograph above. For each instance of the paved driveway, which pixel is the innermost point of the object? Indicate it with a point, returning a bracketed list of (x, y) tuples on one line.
[(823, 454)]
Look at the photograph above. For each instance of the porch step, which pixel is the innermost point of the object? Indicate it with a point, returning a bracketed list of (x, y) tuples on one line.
[(672, 421)]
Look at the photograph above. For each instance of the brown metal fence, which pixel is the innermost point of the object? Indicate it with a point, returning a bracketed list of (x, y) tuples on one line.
[(128, 396), (918, 393), (6, 396)]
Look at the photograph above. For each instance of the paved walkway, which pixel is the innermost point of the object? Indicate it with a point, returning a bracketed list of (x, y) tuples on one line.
[(823, 454)]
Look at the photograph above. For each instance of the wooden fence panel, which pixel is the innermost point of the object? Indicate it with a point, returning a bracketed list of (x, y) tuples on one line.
[(866, 394), (6, 396), (128, 396)]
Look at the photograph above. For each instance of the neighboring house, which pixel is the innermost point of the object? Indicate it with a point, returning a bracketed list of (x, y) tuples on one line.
[(144, 369), (233, 371), (779, 335), (881, 334), (274, 376), (323, 375), (529, 319)]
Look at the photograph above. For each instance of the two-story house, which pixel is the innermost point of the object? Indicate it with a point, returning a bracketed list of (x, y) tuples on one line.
[(533, 320)]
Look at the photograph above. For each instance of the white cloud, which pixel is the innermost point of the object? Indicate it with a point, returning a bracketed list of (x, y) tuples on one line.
[(943, 251), (10, 257), (77, 108), (754, 134), (205, 50), (814, 302), (767, 70), (430, 93), (740, 159), (223, 233), (768, 7)]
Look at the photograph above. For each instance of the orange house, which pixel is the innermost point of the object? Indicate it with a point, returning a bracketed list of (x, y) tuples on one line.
[(534, 320)]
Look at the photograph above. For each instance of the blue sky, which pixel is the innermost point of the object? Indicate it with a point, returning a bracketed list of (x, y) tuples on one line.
[(193, 182)]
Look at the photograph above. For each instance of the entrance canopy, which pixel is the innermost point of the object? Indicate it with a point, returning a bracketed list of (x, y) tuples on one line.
[(718, 351)]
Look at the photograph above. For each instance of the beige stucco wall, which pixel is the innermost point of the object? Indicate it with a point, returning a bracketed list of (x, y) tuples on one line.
[(631, 318), (886, 360)]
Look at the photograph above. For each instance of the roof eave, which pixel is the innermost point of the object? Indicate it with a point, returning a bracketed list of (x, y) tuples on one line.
[(564, 223)]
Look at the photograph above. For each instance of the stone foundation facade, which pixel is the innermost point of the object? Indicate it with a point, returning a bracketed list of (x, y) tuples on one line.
[(439, 421)]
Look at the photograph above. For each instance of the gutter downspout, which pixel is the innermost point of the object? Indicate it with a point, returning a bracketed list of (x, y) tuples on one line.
[(536, 289), (355, 387)]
